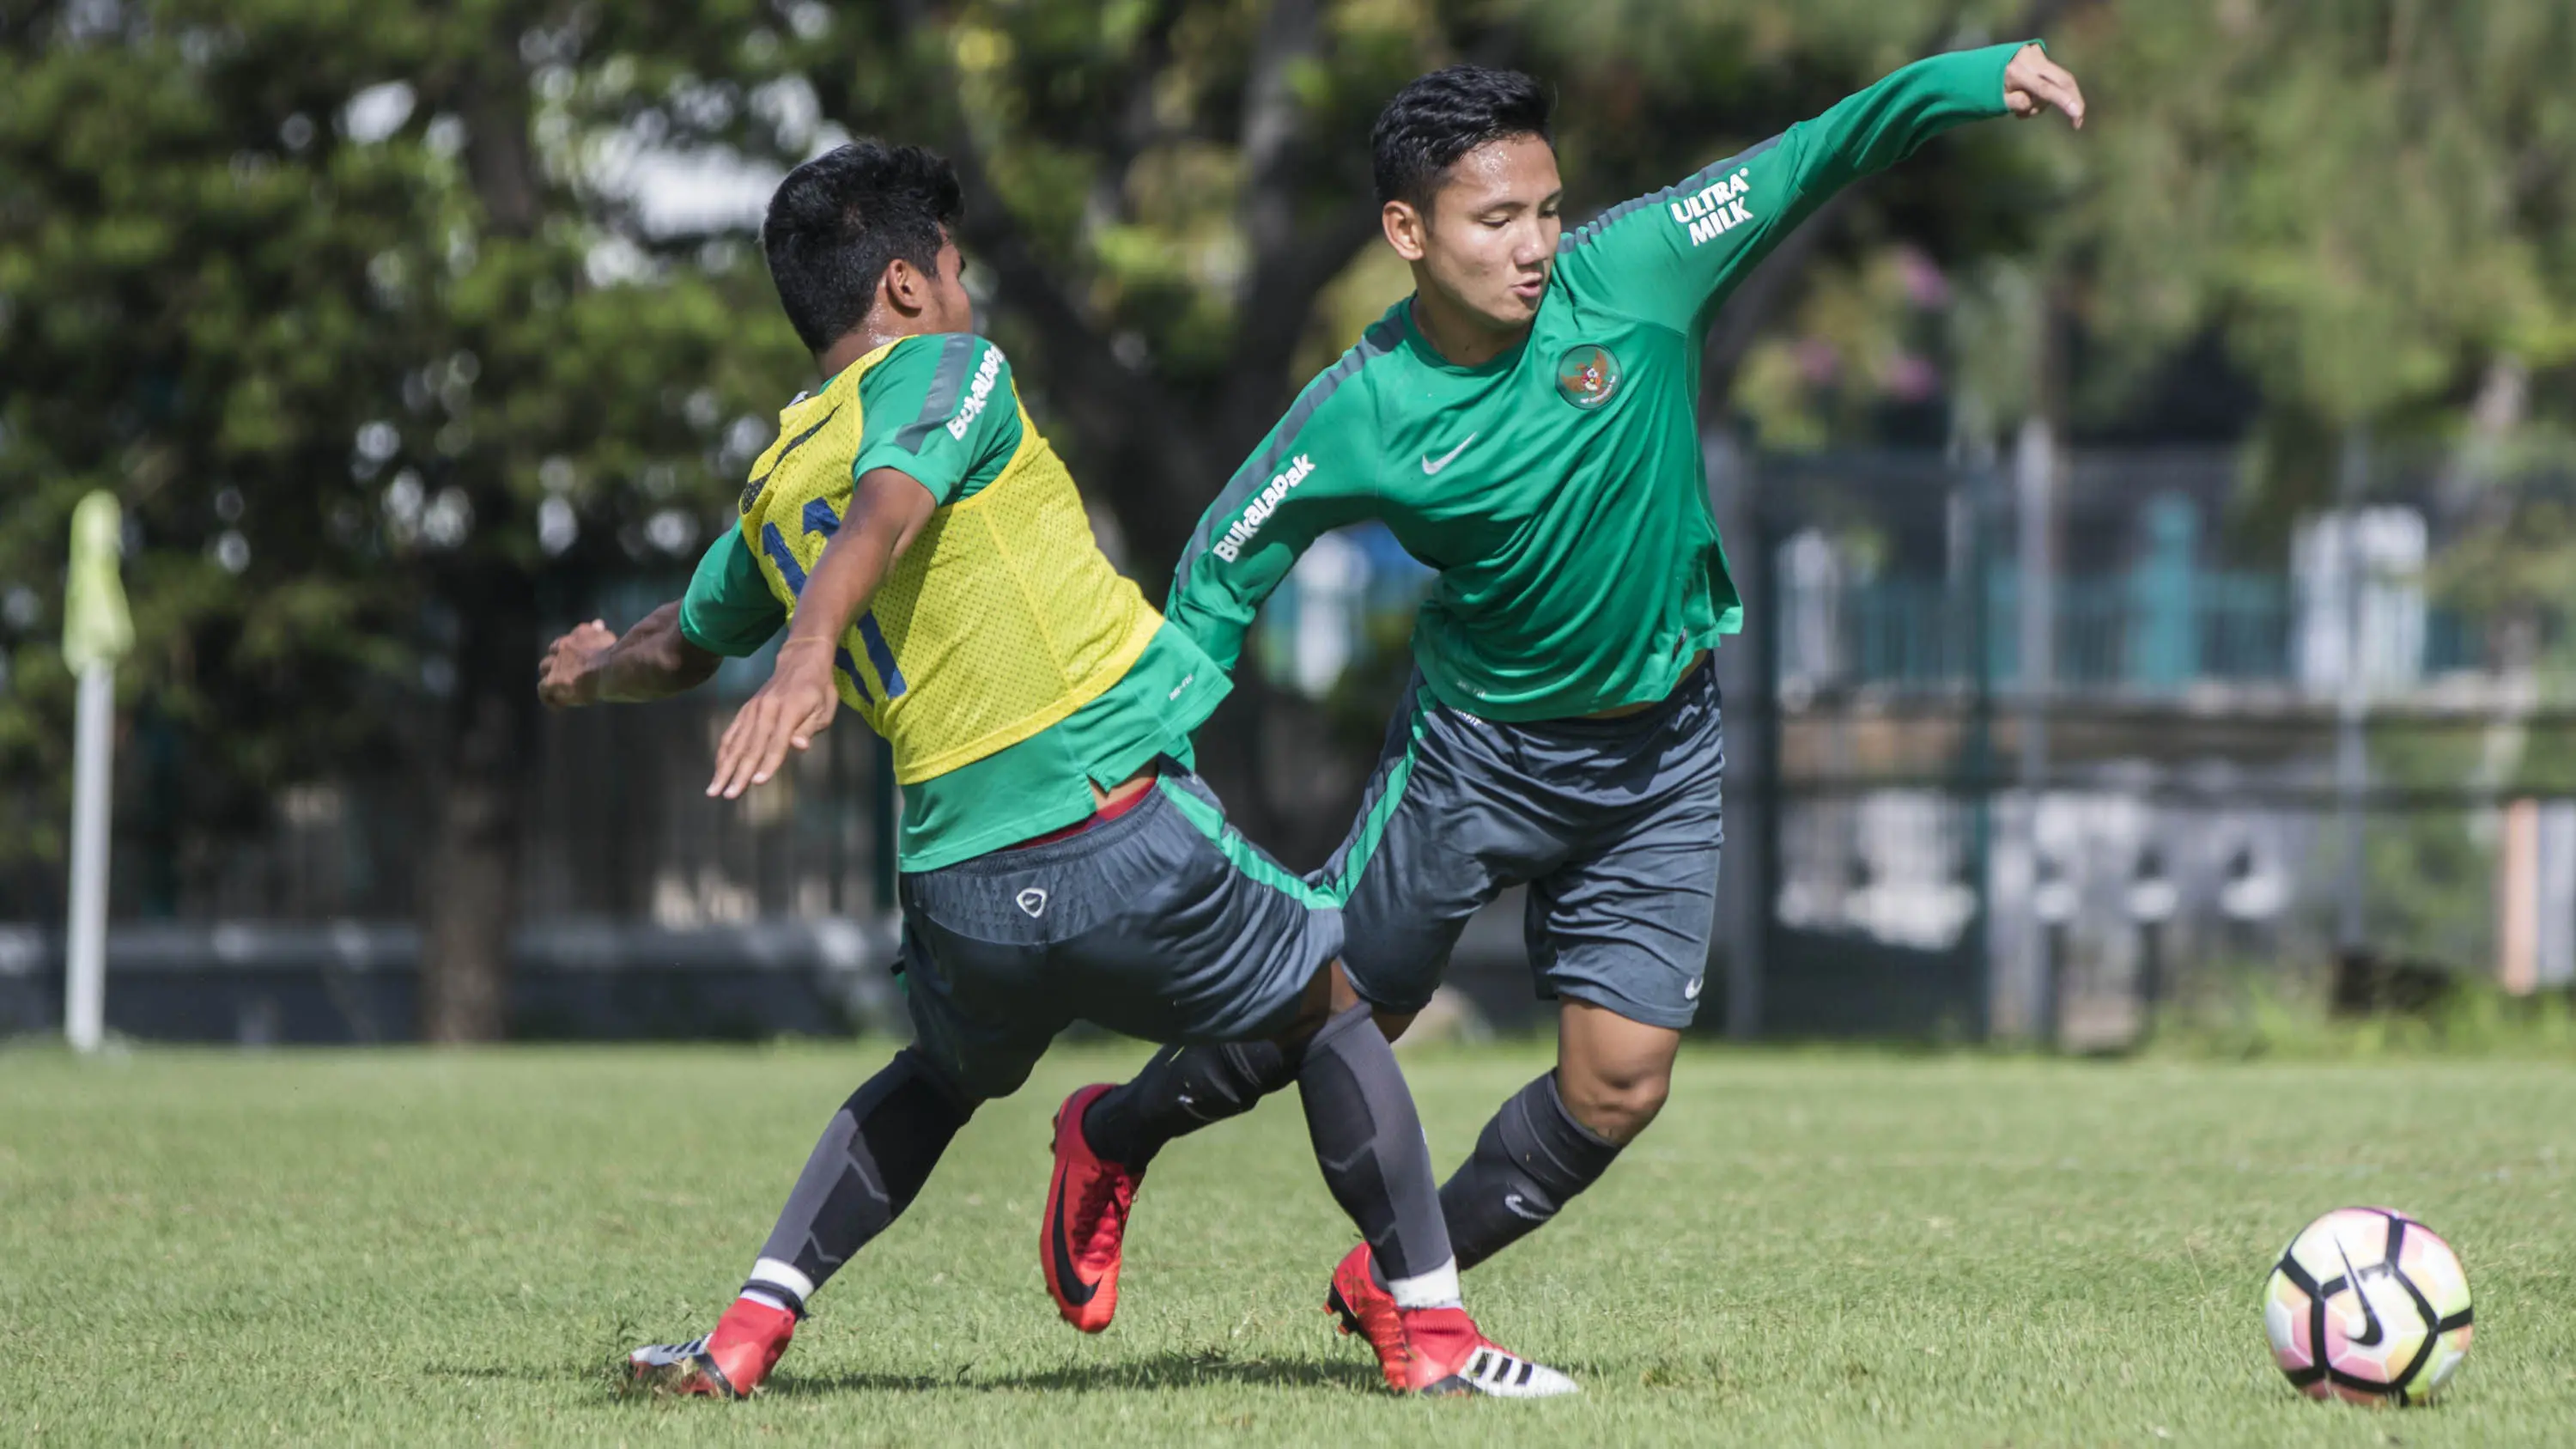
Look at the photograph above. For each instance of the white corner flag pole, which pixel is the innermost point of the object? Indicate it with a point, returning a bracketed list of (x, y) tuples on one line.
[(85, 982), (96, 632)]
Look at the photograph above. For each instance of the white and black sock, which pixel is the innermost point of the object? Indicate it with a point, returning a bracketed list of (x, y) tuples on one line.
[(774, 1284)]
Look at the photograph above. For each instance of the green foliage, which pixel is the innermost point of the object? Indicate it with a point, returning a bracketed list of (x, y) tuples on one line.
[(2368, 199), (336, 378), (2366, 204), (353, 308)]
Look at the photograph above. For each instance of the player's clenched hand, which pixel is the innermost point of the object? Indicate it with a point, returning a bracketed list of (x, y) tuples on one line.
[(564, 677), (789, 711), (2033, 84)]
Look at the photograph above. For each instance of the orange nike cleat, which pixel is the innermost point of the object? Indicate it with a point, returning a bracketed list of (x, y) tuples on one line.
[(1085, 1228)]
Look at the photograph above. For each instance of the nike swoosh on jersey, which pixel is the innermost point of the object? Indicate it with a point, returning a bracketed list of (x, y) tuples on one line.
[(1430, 467)]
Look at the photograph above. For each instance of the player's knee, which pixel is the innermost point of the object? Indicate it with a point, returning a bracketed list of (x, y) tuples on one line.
[(1615, 1102)]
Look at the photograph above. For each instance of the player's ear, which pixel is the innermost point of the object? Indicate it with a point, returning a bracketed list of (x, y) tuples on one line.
[(1407, 230), (904, 287)]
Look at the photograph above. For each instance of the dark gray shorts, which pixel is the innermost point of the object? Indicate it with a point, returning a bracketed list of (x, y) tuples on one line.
[(1613, 824), (1163, 924)]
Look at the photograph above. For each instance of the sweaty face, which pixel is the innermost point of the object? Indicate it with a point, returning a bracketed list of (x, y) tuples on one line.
[(1489, 241)]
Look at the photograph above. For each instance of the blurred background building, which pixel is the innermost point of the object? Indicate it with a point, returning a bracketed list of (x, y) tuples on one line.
[(2157, 542)]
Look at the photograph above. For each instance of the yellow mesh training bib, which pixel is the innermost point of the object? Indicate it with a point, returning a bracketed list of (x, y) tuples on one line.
[(1001, 619)]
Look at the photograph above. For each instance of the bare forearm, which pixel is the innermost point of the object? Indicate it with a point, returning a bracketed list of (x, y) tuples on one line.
[(653, 661), (887, 511)]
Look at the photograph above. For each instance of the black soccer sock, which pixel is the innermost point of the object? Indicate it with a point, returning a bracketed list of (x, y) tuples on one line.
[(871, 1163), (1530, 1160), (1368, 1140), (1180, 1091)]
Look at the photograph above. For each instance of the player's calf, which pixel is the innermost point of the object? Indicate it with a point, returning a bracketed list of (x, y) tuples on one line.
[(1530, 1161), (1368, 1141), (870, 1163), (1180, 1091), (1359, 1114)]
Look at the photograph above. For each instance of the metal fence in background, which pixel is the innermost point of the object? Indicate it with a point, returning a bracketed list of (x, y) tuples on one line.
[(617, 826), (646, 909), (2039, 745)]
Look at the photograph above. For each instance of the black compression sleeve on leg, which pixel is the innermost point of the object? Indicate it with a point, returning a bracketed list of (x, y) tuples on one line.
[(1530, 1160), (1368, 1140), (1180, 1091), (871, 1163)]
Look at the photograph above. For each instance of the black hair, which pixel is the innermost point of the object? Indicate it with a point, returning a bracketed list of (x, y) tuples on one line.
[(1443, 116), (837, 221)]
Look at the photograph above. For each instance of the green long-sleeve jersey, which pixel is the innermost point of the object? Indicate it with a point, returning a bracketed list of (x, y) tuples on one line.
[(1558, 489)]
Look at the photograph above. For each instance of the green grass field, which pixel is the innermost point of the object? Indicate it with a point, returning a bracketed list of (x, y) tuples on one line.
[(1835, 1248)]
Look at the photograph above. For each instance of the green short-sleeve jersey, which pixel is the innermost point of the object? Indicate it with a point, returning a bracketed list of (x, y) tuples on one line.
[(916, 402), (1558, 489), (921, 417), (728, 609)]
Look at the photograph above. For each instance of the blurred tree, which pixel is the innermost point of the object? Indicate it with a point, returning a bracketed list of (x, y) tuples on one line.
[(2370, 201), (330, 298), (375, 321)]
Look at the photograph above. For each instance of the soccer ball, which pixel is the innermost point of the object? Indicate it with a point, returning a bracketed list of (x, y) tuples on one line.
[(2367, 1305)]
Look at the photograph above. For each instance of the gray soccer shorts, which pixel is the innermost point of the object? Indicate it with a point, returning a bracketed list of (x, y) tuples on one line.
[(1613, 824), (1163, 924)]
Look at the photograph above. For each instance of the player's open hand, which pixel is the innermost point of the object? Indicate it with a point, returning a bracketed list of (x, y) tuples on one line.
[(564, 678), (2035, 85), (787, 713)]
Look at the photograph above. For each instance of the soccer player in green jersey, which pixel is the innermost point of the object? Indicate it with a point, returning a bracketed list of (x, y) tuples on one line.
[(1524, 424), (930, 561)]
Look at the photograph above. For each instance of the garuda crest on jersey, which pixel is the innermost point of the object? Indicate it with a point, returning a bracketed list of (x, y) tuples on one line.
[(1587, 375)]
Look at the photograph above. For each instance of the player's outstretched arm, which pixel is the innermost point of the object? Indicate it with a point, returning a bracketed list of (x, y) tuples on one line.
[(887, 510), (1675, 255), (592, 665), (1873, 129)]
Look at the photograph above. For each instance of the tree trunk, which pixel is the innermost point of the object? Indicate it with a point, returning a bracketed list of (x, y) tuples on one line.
[(469, 899), (470, 894)]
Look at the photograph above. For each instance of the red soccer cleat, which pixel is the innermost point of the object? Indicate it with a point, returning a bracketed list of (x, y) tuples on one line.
[(1433, 1352), (1367, 1309), (1087, 1202), (726, 1364)]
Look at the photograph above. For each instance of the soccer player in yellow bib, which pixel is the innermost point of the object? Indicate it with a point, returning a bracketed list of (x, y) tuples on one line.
[(932, 565)]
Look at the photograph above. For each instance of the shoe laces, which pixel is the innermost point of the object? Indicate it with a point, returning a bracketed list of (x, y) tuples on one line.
[(1111, 1185)]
